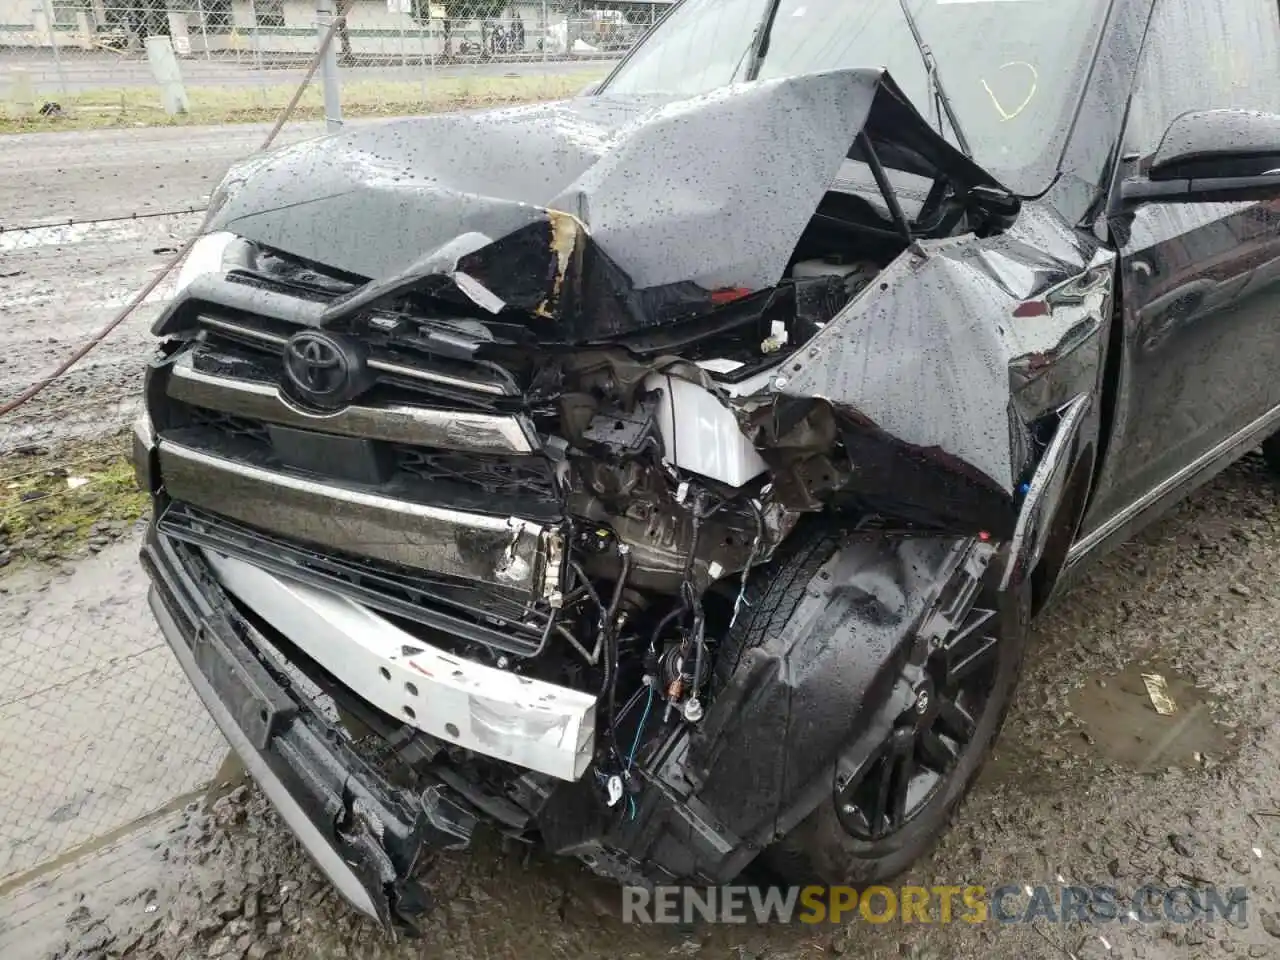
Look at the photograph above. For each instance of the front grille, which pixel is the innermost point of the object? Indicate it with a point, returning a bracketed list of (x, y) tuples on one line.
[(230, 426), (444, 430), (449, 608), (403, 373), (507, 485), (497, 476)]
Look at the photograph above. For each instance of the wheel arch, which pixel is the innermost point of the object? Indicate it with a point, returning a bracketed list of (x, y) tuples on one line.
[(770, 748), (780, 724), (1054, 503)]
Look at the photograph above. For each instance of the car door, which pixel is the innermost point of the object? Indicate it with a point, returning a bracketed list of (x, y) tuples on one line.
[(1200, 358)]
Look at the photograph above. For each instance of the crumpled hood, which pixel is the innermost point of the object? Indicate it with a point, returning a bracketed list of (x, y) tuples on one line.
[(600, 215)]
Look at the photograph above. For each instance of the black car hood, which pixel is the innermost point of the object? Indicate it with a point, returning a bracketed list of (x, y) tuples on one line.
[(595, 216)]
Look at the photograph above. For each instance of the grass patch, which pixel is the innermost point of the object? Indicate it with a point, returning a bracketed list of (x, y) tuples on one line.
[(247, 103), (53, 506)]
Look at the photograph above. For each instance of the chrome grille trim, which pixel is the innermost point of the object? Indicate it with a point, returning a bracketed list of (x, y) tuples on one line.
[(442, 429), (509, 552), (239, 330), (382, 366), (443, 379)]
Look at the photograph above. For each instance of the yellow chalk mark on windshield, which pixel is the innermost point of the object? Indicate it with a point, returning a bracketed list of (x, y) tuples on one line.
[(1035, 82)]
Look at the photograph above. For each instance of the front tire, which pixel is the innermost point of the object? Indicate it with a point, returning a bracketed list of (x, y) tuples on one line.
[(901, 801)]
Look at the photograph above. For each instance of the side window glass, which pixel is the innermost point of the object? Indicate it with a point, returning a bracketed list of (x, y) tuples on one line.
[(1204, 55)]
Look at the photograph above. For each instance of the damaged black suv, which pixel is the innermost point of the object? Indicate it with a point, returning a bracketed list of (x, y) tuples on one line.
[(668, 475)]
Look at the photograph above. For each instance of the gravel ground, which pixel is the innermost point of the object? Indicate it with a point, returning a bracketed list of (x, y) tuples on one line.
[(1076, 794)]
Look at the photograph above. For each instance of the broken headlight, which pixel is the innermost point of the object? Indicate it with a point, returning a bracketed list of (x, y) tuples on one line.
[(212, 253)]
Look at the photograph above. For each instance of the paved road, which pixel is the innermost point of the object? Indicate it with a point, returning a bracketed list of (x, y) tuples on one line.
[(63, 283), (98, 174)]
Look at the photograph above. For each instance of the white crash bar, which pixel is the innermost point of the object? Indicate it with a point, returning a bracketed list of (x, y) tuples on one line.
[(527, 722)]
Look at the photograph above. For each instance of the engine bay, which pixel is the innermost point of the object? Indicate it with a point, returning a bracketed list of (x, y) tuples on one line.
[(669, 507)]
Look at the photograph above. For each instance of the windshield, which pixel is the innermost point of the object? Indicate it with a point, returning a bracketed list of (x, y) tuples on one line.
[(1013, 69)]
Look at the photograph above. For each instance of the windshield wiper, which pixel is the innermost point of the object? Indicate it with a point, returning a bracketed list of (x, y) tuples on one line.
[(936, 89), (761, 45)]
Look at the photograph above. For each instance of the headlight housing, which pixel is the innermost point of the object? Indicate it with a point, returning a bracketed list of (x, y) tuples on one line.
[(213, 253)]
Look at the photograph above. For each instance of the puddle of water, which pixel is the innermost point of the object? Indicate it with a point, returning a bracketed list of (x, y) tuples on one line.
[(1121, 722)]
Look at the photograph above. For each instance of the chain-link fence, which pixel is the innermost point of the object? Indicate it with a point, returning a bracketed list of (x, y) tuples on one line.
[(99, 62)]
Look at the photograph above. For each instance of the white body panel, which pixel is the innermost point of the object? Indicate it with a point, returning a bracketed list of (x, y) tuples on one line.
[(700, 434), (527, 722)]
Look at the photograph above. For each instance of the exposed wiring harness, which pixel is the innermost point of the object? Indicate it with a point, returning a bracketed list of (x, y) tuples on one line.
[(620, 783), (644, 719), (608, 630)]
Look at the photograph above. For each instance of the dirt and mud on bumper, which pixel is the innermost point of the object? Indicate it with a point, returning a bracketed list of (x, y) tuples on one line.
[(365, 834)]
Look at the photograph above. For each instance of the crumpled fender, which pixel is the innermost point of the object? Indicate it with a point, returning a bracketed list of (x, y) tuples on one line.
[(1039, 515), (804, 694), (1026, 340), (944, 382)]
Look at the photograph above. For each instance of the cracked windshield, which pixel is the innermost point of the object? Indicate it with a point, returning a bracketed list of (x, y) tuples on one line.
[(1012, 102)]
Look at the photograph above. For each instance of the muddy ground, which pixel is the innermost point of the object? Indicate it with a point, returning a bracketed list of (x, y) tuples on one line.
[(1089, 785)]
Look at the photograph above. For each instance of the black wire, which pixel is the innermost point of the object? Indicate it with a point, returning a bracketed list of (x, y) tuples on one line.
[(616, 602), (630, 704), (699, 634), (692, 602), (666, 621), (610, 639), (577, 569), (686, 590)]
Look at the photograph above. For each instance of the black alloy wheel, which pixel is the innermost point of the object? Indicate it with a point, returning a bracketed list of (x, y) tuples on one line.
[(953, 689)]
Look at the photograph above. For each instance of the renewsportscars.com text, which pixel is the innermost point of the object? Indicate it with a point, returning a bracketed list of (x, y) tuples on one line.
[(972, 904)]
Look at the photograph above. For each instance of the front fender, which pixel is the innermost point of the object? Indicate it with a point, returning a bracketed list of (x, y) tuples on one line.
[(798, 699), (1039, 516)]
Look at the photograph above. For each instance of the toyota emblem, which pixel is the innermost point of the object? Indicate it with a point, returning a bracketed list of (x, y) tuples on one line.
[(319, 366)]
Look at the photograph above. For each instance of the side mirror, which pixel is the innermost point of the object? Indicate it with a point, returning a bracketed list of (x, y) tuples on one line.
[(1212, 156)]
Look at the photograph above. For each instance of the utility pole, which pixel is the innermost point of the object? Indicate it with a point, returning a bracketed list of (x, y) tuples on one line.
[(329, 67), (53, 42)]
